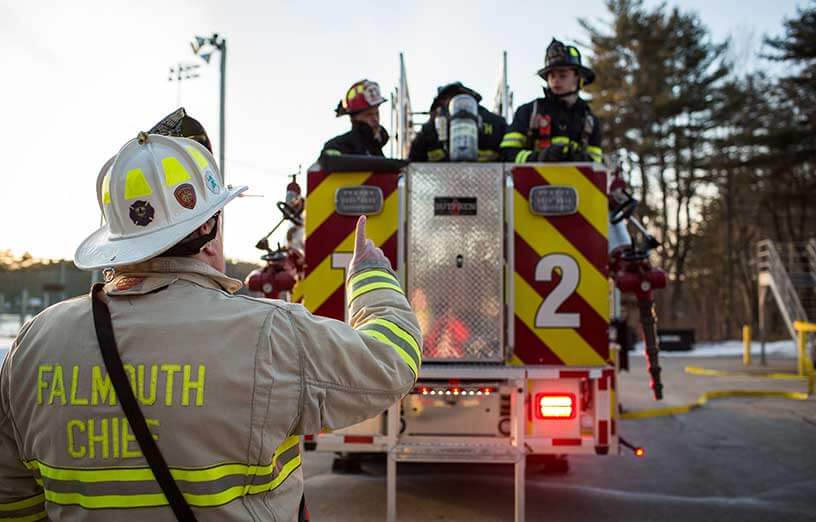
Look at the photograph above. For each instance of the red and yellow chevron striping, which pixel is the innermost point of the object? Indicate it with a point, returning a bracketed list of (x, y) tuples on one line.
[(330, 236), (561, 269)]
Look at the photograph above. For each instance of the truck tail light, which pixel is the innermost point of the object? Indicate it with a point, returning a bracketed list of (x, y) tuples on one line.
[(555, 406)]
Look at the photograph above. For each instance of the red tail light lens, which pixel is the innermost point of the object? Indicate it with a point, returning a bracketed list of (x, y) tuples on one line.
[(555, 406)]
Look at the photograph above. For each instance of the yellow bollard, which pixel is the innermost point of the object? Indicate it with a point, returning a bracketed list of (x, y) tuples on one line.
[(805, 364), (746, 345), (801, 351)]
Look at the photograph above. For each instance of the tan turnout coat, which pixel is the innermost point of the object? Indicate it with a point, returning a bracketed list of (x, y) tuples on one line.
[(227, 383)]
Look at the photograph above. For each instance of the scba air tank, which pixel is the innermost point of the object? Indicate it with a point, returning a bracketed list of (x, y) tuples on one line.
[(464, 128)]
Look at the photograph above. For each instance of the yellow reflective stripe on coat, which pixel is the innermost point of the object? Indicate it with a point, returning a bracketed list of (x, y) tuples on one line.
[(402, 334), (513, 140), (522, 156), (142, 478), (369, 274), (372, 280), (374, 334), (93, 475), (560, 140), (436, 155), (488, 155), (22, 504), (34, 517), (596, 153), (511, 144), (158, 499)]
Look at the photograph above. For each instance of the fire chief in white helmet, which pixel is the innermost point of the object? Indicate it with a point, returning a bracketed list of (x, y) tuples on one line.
[(162, 395)]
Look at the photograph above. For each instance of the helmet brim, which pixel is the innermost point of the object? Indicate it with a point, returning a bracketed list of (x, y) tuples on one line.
[(587, 74), (452, 89), (102, 250), (352, 113)]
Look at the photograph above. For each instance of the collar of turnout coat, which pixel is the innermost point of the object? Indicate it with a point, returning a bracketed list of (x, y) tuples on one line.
[(160, 272)]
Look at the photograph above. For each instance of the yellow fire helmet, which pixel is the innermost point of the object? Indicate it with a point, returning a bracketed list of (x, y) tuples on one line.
[(154, 192)]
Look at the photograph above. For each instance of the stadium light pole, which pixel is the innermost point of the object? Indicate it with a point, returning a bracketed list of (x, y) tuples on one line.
[(204, 47), (182, 71)]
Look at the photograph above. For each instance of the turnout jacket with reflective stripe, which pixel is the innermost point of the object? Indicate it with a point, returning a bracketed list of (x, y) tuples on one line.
[(550, 121), (359, 140), (226, 382)]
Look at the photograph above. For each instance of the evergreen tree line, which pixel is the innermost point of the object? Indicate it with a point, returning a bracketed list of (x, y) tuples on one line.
[(719, 156)]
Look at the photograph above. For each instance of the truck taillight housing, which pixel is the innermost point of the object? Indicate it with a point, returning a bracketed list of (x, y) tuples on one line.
[(554, 406)]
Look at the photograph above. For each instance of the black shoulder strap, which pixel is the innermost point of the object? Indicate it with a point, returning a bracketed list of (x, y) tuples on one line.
[(116, 371)]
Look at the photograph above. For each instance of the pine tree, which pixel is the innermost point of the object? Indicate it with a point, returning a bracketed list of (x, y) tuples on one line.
[(659, 74)]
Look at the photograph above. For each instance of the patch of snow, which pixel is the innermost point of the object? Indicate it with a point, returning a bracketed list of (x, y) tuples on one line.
[(780, 349)]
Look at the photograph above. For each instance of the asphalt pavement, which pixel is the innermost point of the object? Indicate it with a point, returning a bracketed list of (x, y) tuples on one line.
[(736, 459)]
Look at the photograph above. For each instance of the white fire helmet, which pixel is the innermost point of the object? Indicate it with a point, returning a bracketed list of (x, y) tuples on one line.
[(153, 193)]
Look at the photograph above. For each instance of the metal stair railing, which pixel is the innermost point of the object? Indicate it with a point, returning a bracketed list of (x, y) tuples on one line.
[(810, 249), (787, 298)]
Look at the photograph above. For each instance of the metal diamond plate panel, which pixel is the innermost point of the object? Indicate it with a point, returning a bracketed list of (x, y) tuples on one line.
[(455, 259)]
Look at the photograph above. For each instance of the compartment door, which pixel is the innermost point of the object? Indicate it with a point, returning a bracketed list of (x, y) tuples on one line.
[(455, 259)]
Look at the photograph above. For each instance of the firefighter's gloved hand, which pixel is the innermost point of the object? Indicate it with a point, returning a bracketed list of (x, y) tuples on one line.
[(580, 154), (366, 254), (555, 152)]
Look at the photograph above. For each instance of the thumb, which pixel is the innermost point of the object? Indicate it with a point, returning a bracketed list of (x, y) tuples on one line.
[(360, 236)]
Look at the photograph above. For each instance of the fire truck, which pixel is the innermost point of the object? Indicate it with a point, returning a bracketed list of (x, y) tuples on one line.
[(511, 271)]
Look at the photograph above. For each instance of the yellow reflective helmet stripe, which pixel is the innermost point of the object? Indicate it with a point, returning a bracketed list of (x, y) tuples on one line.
[(22, 504), (174, 171), (106, 199), (136, 185), (198, 157), (374, 334), (331, 152)]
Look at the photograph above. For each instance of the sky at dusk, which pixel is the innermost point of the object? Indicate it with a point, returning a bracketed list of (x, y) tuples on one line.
[(80, 81)]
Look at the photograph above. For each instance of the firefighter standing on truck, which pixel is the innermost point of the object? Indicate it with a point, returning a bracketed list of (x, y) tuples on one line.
[(431, 143), (225, 383), (366, 137), (560, 126)]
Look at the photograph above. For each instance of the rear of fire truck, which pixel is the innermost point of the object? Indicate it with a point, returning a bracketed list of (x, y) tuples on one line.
[(507, 269)]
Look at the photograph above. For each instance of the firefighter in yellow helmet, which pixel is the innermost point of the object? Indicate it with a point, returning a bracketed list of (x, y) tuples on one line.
[(165, 394), (366, 137), (560, 126)]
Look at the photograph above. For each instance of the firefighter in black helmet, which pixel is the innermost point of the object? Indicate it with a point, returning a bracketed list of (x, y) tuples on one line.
[(560, 126), (431, 143)]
